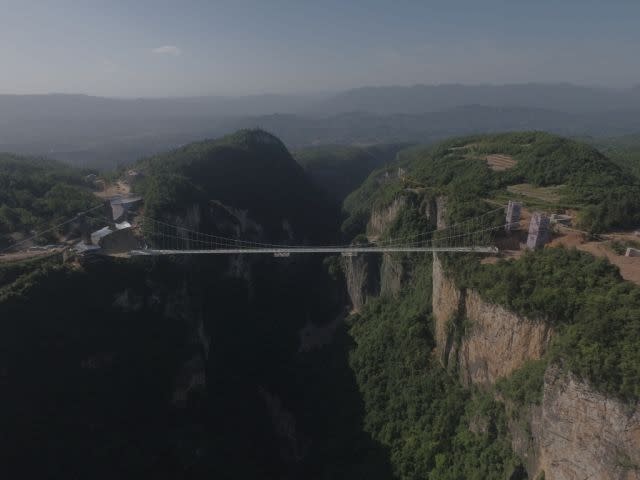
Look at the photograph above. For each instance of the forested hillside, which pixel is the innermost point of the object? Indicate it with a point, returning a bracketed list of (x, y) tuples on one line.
[(341, 169), (624, 150), (37, 193), (239, 367), (250, 170), (414, 403), (176, 367), (603, 192)]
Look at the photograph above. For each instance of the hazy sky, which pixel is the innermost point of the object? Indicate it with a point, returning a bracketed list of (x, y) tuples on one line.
[(203, 47)]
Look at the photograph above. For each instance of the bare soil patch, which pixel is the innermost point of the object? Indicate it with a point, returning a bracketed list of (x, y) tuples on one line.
[(113, 190), (500, 162)]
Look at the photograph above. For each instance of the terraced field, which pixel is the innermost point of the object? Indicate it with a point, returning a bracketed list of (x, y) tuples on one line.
[(500, 162)]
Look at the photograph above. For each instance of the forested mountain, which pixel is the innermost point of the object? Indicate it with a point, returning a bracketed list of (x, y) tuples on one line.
[(250, 170), (185, 366), (604, 193), (340, 169), (624, 150), (251, 367), (522, 336)]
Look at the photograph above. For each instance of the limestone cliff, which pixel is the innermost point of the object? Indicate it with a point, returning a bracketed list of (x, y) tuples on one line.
[(446, 300), (576, 432), (381, 218), (441, 212), (392, 274), (484, 341), (361, 275), (372, 275), (580, 433)]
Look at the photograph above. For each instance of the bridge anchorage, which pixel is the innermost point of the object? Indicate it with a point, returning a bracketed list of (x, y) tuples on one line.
[(472, 235)]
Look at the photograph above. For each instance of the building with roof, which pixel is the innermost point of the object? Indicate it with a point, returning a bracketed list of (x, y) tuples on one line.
[(121, 207)]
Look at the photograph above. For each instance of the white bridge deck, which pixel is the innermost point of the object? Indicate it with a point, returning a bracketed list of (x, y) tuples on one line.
[(288, 251)]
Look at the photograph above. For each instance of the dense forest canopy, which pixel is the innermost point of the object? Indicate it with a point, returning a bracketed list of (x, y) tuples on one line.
[(341, 169), (376, 402), (624, 150), (595, 312), (36, 193), (249, 170), (592, 309), (603, 192)]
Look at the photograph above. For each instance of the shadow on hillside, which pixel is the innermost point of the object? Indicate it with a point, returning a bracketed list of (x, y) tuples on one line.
[(89, 362), (334, 413)]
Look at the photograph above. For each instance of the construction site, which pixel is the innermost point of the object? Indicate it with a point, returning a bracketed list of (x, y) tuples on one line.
[(530, 230)]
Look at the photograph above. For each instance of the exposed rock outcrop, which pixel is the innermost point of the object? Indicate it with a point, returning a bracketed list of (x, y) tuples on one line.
[(497, 341), (485, 341), (576, 433), (368, 276), (382, 218), (441, 212), (581, 433), (447, 302), (361, 275), (392, 273)]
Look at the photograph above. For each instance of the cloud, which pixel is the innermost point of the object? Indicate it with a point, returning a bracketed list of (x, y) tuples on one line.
[(171, 50)]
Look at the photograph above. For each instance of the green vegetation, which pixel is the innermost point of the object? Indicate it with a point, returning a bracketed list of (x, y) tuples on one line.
[(624, 150), (620, 246), (341, 169), (89, 352), (38, 193), (433, 427), (524, 386), (118, 337), (578, 175), (595, 312), (12, 271), (250, 170)]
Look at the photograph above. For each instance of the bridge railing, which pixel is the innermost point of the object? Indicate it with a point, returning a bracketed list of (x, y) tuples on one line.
[(466, 235)]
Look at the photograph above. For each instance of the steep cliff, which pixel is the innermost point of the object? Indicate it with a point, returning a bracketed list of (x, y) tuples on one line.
[(484, 341), (392, 274), (575, 432), (372, 275), (361, 275), (580, 433), (382, 217)]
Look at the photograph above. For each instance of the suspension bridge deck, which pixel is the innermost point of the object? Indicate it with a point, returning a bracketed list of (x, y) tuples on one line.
[(289, 251)]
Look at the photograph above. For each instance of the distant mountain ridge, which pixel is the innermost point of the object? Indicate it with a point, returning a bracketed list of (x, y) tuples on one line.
[(429, 98), (105, 132)]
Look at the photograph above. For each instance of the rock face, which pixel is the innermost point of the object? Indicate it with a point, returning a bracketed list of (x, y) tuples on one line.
[(361, 274), (392, 274), (441, 212), (484, 341), (497, 341), (582, 434), (382, 218), (367, 275), (447, 303), (576, 433)]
